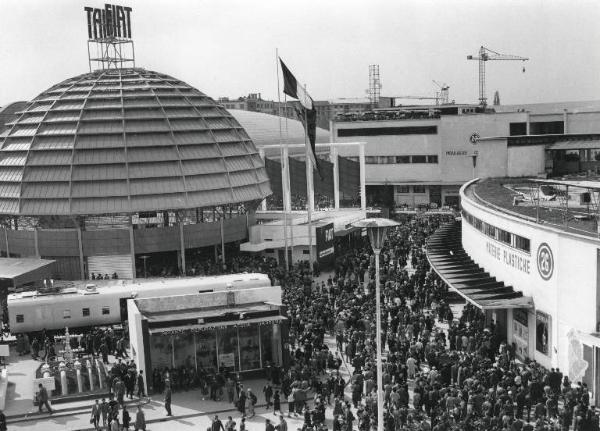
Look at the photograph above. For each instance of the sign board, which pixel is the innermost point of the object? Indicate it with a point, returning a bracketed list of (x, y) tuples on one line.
[(325, 244), (4, 350), (227, 360), (110, 22), (47, 382)]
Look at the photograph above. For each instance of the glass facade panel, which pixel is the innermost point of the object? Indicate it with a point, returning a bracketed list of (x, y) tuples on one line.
[(161, 351), (249, 348), (206, 350), (266, 338), (184, 349), (228, 349)]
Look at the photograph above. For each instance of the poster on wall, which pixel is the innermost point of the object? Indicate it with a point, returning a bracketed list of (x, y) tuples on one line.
[(227, 360), (542, 332), (325, 244)]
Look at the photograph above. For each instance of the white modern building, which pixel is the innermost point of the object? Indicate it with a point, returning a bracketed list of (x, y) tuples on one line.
[(418, 156)]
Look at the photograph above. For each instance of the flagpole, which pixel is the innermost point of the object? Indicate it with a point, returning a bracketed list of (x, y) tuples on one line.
[(309, 192), (283, 157), (288, 202)]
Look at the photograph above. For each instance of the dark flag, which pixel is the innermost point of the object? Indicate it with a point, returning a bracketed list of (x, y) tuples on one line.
[(307, 113)]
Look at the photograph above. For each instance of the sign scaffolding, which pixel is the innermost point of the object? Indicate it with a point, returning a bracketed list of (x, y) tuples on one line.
[(109, 37)]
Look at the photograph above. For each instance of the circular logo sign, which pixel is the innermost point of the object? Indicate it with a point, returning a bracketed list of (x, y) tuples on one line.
[(545, 261), (474, 138)]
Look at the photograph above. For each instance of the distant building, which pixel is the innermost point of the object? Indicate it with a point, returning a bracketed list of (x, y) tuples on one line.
[(422, 155), (327, 110)]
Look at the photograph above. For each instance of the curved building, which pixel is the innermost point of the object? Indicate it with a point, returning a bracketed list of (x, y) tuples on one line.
[(264, 131), (117, 163), (534, 272)]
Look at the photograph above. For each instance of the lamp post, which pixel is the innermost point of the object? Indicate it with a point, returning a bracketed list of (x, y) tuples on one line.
[(377, 229)]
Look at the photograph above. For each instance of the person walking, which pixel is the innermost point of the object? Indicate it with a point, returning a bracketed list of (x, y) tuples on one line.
[(269, 426), (250, 403), (268, 391), (168, 394), (283, 426), (96, 414), (230, 424), (43, 399), (126, 419), (140, 419), (140, 385), (217, 425), (276, 403)]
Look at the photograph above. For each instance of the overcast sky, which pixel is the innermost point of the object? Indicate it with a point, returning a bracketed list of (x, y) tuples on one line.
[(227, 47)]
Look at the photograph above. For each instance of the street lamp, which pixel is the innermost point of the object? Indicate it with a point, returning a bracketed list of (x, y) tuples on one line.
[(377, 229)]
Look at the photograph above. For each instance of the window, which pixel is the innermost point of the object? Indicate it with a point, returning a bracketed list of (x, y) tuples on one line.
[(387, 160), (419, 159), (67, 314), (418, 189), (85, 312), (105, 311), (389, 131), (504, 236), (522, 243), (20, 318), (305, 252), (402, 189), (432, 159), (371, 160), (490, 230), (403, 159)]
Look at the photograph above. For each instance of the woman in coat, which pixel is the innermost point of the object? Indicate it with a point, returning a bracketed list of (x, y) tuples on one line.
[(140, 420)]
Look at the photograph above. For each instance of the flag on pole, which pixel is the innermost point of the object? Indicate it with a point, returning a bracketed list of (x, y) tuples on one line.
[(308, 113)]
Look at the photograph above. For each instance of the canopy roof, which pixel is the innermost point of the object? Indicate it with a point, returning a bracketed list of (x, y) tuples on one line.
[(592, 185), (450, 261), (125, 141)]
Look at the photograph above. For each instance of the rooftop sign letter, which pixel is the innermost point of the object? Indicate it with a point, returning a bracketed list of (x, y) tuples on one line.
[(111, 22)]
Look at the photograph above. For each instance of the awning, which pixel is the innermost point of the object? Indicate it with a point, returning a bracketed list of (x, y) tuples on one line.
[(576, 144), (462, 275), (216, 325)]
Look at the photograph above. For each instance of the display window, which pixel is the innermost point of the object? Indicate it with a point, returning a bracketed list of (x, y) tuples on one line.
[(249, 348), (183, 345), (161, 350), (206, 350), (542, 332), (227, 340)]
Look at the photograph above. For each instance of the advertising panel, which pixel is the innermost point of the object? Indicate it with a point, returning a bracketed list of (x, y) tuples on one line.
[(325, 244), (542, 332)]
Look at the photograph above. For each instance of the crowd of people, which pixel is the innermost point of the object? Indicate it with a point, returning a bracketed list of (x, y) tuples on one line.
[(441, 371)]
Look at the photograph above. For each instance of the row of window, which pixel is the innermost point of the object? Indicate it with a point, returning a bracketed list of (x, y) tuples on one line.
[(85, 312), (505, 237), (417, 189), (392, 160)]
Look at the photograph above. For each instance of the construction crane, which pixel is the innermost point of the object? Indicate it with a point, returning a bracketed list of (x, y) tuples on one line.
[(443, 94), (486, 54)]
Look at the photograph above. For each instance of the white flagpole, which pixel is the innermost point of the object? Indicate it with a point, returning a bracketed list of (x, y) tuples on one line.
[(288, 202), (283, 157), (309, 191)]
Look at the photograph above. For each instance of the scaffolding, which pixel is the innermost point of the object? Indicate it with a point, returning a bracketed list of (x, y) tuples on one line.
[(374, 84)]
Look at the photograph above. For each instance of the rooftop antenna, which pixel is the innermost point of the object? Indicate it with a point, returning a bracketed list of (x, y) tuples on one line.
[(109, 32)]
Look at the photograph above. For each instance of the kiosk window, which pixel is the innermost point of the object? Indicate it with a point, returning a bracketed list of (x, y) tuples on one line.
[(86, 312), (20, 318), (105, 311)]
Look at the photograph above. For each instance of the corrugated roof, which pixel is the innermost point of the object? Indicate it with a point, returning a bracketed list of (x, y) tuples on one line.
[(125, 140)]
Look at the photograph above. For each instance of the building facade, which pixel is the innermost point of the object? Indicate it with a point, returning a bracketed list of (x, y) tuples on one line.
[(557, 268), (422, 156)]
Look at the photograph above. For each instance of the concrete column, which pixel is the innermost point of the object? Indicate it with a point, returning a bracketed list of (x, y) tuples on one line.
[(182, 247), (6, 239), (81, 258), (363, 187), (527, 129), (336, 176), (36, 242), (132, 249), (222, 244), (263, 204), (566, 121)]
